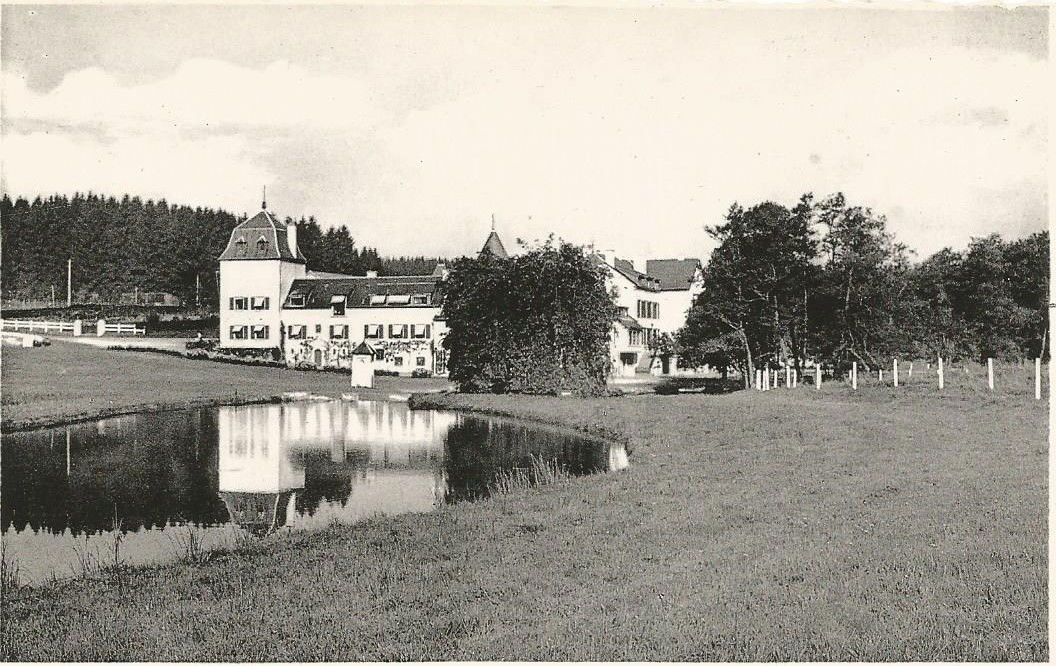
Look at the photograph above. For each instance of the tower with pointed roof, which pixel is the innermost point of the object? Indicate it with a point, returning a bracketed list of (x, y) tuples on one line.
[(493, 245), (257, 267)]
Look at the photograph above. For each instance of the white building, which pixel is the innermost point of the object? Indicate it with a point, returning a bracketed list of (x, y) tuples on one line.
[(651, 302), (270, 301)]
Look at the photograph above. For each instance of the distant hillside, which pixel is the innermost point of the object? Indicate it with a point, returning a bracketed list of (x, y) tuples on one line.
[(128, 245)]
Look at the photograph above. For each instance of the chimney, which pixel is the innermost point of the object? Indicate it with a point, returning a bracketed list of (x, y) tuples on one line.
[(372, 274), (291, 237)]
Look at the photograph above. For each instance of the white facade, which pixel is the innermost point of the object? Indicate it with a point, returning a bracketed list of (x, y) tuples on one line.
[(251, 296)]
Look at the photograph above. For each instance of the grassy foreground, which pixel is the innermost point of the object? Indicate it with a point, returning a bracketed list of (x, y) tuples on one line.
[(788, 525), (69, 382)]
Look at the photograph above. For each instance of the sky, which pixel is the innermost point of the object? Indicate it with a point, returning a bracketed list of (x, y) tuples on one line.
[(631, 128)]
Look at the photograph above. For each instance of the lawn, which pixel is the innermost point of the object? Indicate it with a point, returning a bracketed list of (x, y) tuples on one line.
[(786, 525), (71, 381)]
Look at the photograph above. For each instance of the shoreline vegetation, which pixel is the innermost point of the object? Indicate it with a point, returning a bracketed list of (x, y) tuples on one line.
[(788, 525)]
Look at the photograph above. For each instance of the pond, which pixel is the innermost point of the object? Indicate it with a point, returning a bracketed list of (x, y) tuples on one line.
[(151, 488)]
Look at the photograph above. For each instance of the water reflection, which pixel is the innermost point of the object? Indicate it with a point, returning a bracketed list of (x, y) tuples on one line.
[(69, 491)]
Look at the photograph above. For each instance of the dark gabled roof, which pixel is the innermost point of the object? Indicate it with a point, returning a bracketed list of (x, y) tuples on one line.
[(363, 349), (629, 322), (494, 246), (674, 274), (640, 280), (358, 290), (245, 240)]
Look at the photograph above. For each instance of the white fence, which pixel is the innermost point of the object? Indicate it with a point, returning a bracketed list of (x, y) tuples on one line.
[(73, 328)]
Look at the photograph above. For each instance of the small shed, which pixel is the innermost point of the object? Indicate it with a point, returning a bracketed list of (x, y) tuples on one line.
[(363, 366)]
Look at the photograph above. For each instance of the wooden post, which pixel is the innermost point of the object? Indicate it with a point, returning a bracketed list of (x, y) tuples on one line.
[(817, 377), (942, 379), (774, 375), (894, 371), (911, 370), (758, 379), (880, 375), (1037, 378), (788, 376), (795, 377), (854, 375), (990, 373), (766, 378)]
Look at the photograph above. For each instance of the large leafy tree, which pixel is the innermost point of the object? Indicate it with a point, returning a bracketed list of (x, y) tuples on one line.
[(539, 322), (753, 309)]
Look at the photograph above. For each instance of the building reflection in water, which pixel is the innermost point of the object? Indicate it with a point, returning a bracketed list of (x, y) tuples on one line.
[(311, 463)]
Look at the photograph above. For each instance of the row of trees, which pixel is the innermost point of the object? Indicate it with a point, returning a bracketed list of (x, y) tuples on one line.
[(825, 280), (118, 245)]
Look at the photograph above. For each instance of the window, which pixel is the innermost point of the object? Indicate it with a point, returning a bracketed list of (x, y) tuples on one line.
[(259, 333), (239, 303), (397, 361), (420, 361), (377, 299), (622, 310), (240, 245), (419, 331), (318, 329), (339, 332), (397, 330), (379, 354), (260, 303), (239, 332), (420, 299), (296, 300), (372, 331), (297, 332), (648, 309), (636, 337), (398, 299), (337, 304), (262, 244)]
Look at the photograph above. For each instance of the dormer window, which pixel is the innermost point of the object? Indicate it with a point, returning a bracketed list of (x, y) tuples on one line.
[(262, 244), (420, 299), (337, 305), (240, 245), (296, 300)]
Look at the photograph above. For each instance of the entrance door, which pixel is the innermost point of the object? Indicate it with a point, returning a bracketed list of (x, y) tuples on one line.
[(319, 357)]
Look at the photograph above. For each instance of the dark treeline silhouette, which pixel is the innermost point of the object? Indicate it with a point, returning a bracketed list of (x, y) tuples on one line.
[(120, 246), (827, 281)]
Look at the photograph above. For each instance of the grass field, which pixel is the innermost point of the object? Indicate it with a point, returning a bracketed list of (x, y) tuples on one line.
[(787, 525), (69, 381)]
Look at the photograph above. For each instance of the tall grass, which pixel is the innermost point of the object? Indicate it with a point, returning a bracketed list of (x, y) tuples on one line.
[(188, 545), (540, 471), (9, 577)]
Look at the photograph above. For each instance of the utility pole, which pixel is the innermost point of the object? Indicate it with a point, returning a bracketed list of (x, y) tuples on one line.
[(69, 282)]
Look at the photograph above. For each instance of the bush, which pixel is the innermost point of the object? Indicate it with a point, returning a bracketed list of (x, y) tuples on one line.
[(386, 373), (535, 323), (422, 373)]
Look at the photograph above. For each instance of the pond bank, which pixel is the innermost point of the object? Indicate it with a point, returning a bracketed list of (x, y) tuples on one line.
[(791, 525)]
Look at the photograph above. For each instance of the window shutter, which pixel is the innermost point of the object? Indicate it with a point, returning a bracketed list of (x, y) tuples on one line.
[(427, 330), (366, 331)]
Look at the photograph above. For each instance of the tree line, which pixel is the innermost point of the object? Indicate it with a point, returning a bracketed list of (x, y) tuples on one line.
[(121, 245), (826, 281)]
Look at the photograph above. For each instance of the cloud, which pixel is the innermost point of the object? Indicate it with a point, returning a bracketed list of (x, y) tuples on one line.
[(199, 93), (637, 151)]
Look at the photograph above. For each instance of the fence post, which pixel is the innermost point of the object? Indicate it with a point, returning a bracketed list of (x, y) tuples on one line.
[(895, 372), (854, 375), (990, 373), (817, 377), (880, 375), (795, 377), (77, 327), (1037, 378), (910, 370), (941, 378), (758, 379), (766, 378), (100, 328)]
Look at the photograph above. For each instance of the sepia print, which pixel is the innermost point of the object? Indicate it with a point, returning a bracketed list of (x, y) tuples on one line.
[(533, 332)]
